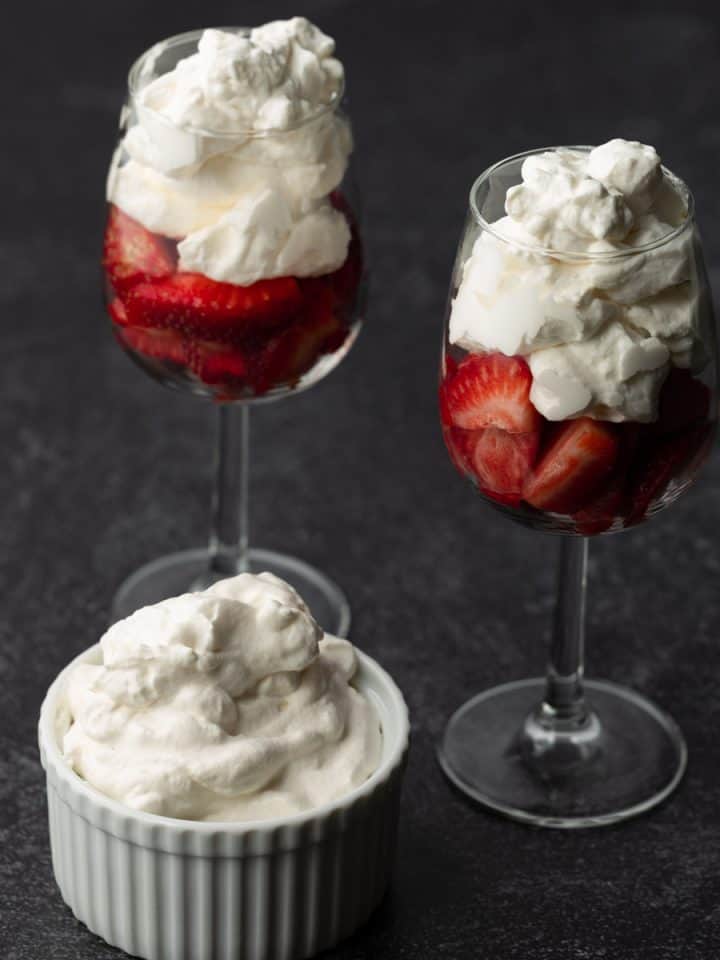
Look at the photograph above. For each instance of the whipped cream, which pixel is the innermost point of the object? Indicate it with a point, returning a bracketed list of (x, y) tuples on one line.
[(272, 78), (248, 113), (229, 704), (262, 238), (599, 324)]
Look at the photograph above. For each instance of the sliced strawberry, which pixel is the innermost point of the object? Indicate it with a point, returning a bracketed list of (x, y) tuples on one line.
[(612, 502), (167, 345), (579, 459), (118, 313), (448, 369), (672, 457), (491, 390), (216, 363), (683, 400), (459, 445), (295, 350), (132, 254), (600, 514), (502, 461), (197, 305)]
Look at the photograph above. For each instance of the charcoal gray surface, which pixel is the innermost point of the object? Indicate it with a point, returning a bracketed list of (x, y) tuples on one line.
[(105, 470)]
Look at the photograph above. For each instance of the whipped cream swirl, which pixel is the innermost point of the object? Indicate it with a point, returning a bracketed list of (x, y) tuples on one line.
[(599, 332), (247, 115), (228, 704)]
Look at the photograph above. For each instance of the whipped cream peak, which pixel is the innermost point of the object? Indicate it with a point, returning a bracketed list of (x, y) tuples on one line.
[(228, 704), (230, 622), (271, 78), (629, 167), (590, 275), (576, 201), (564, 208)]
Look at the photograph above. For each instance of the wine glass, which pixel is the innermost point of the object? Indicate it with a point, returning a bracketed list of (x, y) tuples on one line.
[(235, 345), (561, 751)]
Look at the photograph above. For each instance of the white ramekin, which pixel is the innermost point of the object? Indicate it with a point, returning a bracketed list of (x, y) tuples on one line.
[(280, 889)]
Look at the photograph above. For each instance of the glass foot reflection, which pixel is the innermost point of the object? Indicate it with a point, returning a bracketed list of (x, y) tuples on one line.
[(627, 757), (187, 570)]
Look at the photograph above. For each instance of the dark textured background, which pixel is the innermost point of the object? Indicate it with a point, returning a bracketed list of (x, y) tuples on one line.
[(103, 469)]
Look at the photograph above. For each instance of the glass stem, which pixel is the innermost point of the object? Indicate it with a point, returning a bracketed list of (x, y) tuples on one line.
[(564, 697), (229, 531)]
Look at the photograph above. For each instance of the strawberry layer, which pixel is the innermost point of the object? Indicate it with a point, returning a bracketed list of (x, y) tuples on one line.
[(584, 476), (236, 341)]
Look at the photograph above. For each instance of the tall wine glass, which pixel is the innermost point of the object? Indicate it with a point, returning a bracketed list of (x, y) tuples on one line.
[(561, 751), (237, 346)]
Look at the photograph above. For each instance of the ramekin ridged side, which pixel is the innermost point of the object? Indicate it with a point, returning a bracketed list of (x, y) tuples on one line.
[(280, 889)]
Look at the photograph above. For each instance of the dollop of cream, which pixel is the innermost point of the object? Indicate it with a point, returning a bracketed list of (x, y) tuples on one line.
[(600, 332), (248, 113), (229, 704), (271, 78)]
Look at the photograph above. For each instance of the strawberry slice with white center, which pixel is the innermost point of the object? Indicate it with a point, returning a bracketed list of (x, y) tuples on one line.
[(166, 345), (503, 461), (576, 464), (197, 305), (490, 390), (132, 254)]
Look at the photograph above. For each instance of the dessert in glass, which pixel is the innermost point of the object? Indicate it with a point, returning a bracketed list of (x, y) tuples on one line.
[(220, 743), (232, 257), (578, 394)]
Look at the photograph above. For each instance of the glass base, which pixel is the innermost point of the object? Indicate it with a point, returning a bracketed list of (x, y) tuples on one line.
[(627, 757), (188, 570)]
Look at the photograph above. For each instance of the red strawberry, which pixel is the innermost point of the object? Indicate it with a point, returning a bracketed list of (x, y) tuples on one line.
[(675, 456), (502, 461), (195, 304), (611, 502), (599, 515), (167, 345), (459, 445), (491, 390), (118, 314), (216, 363), (294, 351), (132, 254), (579, 459), (449, 368), (683, 400)]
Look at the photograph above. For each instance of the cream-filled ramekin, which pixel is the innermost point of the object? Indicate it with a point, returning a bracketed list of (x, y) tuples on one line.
[(279, 889)]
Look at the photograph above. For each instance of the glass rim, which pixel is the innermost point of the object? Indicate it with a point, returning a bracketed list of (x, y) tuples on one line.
[(139, 65), (577, 255)]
